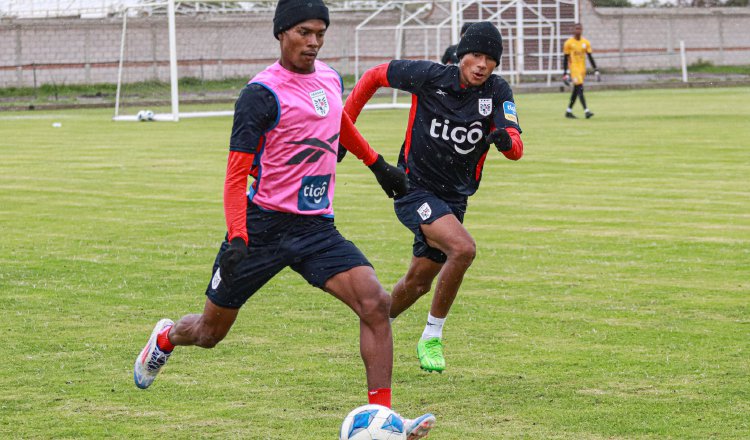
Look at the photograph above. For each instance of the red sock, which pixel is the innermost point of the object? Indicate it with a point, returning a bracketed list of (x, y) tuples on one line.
[(162, 340), (381, 396)]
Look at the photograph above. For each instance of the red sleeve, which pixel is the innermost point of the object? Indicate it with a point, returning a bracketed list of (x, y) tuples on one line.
[(353, 141), (235, 193), (370, 82), (516, 151)]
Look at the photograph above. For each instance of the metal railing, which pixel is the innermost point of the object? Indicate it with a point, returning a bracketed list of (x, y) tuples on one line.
[(60, 8), (103, 8)]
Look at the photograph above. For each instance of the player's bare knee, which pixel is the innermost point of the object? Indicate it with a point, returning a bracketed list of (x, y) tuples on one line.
[(417, 286), (464, 253), (374, 308)]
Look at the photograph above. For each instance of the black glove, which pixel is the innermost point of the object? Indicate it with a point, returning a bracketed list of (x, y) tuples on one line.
[(566, 79), (391, 179), (501, 139), (598, 77), (235, 253)]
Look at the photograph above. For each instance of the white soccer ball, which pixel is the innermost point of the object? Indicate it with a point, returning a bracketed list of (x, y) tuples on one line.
[(145, 115), (372, 422)]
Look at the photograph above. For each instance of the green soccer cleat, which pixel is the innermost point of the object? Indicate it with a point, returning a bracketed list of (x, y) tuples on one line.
[(430, 354)]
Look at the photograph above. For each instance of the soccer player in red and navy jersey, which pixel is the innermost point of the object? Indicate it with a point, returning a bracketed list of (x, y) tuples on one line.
[(287, 125), (457, 112)]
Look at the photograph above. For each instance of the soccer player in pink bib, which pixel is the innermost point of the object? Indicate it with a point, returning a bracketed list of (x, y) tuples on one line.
[(288, 123)]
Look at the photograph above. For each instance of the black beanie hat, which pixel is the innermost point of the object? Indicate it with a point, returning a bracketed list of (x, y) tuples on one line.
[(290, 12), (482, 37), (466, 26)]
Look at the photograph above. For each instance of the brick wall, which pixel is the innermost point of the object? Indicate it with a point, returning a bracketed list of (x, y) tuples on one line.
[(650, 38), (67, 51)]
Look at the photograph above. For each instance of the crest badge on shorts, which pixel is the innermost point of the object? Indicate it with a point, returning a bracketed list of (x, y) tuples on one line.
[(485, 107), (424, 211), (320, 102), (216, 280)]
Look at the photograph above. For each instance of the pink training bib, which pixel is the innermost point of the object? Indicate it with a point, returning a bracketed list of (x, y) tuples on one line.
[(297, 171)]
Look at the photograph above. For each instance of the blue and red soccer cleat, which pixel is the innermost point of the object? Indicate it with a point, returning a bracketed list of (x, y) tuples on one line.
[(419, 427), (152, 358)]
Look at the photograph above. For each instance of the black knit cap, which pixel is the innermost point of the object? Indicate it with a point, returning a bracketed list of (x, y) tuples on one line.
[(290, 12), (482, 37)]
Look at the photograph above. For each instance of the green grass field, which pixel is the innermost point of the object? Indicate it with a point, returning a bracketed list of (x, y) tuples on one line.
[(610, 297)]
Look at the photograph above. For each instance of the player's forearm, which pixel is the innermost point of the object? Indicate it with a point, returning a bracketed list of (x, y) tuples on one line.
[(593, 63), (565, 64), (235, 197), (516, 150), (352, 140), (370, 82)]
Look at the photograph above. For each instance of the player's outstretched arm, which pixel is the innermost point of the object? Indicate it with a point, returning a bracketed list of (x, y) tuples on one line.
[(364, 89), (593, 64), (235, 193), (235, 207), (370, 82), (352, 140), (255, 113), (391, 179), (507, 141)]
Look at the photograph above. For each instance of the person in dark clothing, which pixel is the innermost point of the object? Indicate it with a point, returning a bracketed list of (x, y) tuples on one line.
[(449, 57), (457, 112)]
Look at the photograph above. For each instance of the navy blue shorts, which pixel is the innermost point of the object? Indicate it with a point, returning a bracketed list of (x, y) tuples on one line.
[(421, 207), (310, 245)]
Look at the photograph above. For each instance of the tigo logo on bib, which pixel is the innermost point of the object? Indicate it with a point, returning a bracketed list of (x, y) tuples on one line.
[(313, 193)]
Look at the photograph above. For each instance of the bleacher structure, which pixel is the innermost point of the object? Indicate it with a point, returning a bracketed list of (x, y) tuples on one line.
[(533, 32)]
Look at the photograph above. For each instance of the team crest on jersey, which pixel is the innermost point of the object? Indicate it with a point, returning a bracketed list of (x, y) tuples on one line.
[(485, 107), (320, 102)]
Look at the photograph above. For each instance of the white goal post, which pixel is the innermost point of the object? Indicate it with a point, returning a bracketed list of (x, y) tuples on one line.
[(171, 8), (174, 115)]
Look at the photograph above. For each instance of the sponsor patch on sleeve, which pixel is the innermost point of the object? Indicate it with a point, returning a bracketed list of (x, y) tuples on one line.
[(509, 109)]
